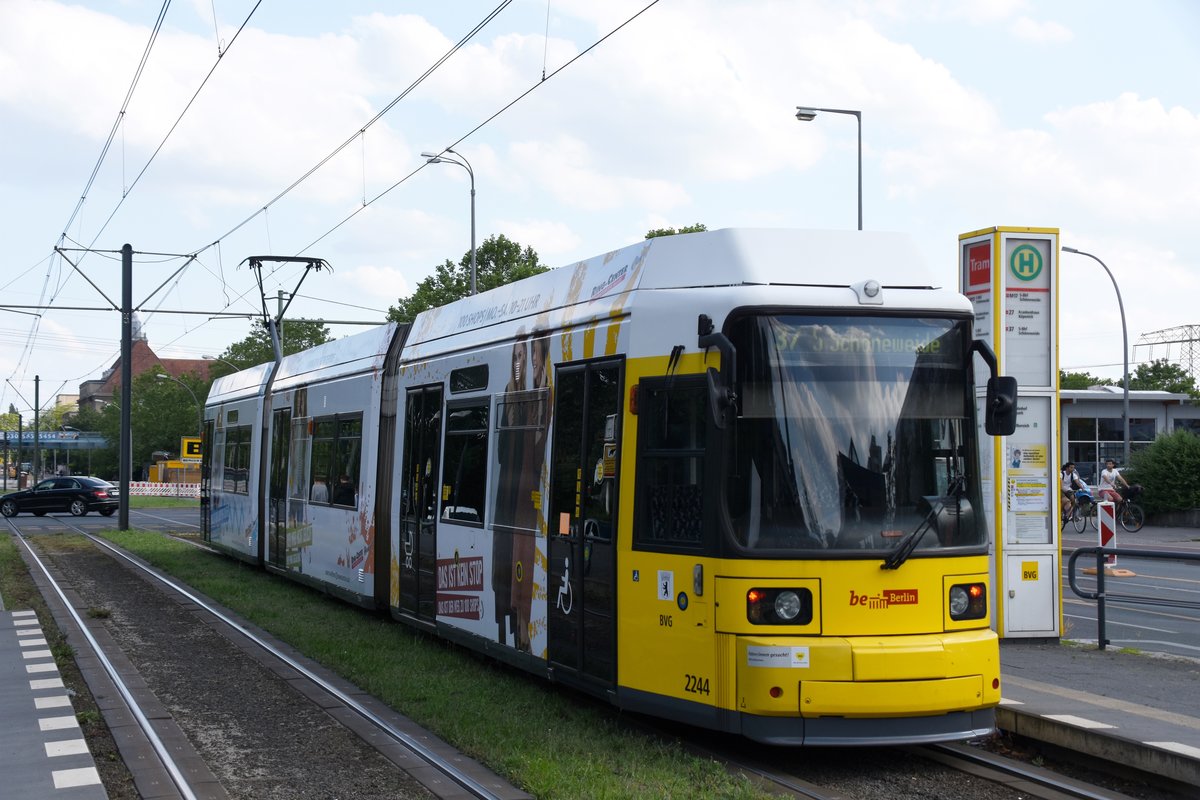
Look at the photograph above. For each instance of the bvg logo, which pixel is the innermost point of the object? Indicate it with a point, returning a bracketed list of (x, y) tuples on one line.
[(1025, 263), (885, 599)]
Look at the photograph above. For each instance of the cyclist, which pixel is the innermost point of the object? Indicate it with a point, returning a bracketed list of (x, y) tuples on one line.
[(1071, 482), (1109, 479)]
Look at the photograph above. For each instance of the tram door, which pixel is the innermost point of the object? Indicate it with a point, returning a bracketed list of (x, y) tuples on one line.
[(419, 503), (281, 436), (581, 600), (206, 448)]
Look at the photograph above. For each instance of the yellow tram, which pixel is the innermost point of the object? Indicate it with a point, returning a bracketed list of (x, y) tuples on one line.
[(729, 478)]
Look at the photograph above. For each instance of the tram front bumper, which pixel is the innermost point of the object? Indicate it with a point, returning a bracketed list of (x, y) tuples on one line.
[(868, 677)]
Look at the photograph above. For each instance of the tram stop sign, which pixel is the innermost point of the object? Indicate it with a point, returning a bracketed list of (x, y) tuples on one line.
[(189, 448)]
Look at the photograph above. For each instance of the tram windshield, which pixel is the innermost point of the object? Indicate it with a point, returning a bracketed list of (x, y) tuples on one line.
[(853, 432)]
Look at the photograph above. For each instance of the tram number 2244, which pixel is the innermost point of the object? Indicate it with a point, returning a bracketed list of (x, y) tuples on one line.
[(694, 684)]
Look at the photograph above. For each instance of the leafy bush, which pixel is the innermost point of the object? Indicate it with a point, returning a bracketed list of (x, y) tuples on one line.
[(1167, 469)]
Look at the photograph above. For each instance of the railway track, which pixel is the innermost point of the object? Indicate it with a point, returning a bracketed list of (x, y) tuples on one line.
[(938, 771), (950, 771), (264, 721), (929, 772)]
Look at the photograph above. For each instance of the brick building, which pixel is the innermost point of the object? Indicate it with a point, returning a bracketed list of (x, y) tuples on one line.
[(96, 394)]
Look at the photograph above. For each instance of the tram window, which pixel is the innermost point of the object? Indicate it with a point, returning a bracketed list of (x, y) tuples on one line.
[(469, 379), (336, 460), (298, 479), (464, 474), (347, 451), (322, 455), (236, 460), (672, 434)]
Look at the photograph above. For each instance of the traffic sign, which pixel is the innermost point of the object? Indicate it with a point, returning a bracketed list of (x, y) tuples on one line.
[(190, 448)]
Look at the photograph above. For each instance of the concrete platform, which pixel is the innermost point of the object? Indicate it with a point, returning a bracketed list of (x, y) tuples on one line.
[(43, 753), (1138, 710)]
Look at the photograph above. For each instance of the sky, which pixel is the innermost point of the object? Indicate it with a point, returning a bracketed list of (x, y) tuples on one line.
[(295, 128)]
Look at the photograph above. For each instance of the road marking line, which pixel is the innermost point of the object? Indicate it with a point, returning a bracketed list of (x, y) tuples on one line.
[(57, 723), (70, 778), (29, 655), (46, 683), (1092, 620), (1004, 701), (69, 747), (30, 669), (31, 642), (26, 613), (58, 701), (37, 632), (1079, 722), (24, 622), (1176, 747)]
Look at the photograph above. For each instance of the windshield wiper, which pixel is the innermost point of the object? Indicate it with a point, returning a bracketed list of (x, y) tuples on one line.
[(904, 548)]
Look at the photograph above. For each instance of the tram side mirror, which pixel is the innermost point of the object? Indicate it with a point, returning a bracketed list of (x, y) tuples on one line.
[(1000, 410), (720, 398)]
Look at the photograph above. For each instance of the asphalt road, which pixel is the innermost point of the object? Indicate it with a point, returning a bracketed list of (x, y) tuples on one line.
[(1155, 608)]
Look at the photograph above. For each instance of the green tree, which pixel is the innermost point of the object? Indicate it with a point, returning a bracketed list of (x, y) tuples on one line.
[(1081, 380), (49, 420), (1163, 376), (162, 413), (1160, 469), (103, 462), (256, 348), (498, 261), (699, 227)]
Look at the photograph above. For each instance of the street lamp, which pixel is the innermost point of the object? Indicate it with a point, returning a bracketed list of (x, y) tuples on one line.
[(162, 376), (436, 158), (1124, 343), (805, 114), (223, 361)]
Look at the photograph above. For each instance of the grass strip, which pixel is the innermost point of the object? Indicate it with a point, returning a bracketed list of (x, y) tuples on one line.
[(548, 740), (147, 501)]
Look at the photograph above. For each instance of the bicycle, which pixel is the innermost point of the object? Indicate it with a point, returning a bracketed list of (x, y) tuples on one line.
[(1129, 513), (1125, 511), (1081, 513)]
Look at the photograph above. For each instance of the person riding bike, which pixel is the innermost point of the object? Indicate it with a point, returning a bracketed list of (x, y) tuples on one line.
[(1070, 483), (1110, 478)]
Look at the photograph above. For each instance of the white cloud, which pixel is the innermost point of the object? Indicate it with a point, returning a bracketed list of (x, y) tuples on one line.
[(686, 115), (548, 238), (1041, 32), (378, 284)]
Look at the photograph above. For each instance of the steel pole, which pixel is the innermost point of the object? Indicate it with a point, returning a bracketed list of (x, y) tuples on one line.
[(1124, 346)]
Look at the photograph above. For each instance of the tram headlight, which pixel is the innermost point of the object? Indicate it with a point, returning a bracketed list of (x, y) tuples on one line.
[(787, 605), (968, 601), (779, 606)]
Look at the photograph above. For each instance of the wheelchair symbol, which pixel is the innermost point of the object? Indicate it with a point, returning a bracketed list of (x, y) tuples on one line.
[(565, 600)]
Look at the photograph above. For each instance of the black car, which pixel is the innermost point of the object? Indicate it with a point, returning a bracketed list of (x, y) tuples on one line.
[(76, 494)]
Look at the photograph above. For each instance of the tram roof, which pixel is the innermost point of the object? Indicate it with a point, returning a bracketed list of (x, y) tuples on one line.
[(349, 355), (604, 286), (249, 382)]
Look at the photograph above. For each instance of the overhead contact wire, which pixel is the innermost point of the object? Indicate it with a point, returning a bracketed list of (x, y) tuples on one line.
[(445, 56), (466, 135)]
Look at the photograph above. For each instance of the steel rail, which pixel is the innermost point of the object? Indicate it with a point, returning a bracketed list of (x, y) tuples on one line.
[(442, 764), (1029, 778), (160, 748)]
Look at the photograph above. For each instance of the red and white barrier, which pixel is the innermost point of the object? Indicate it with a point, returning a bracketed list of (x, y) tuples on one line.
[(1106, 523), (148, 489)]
